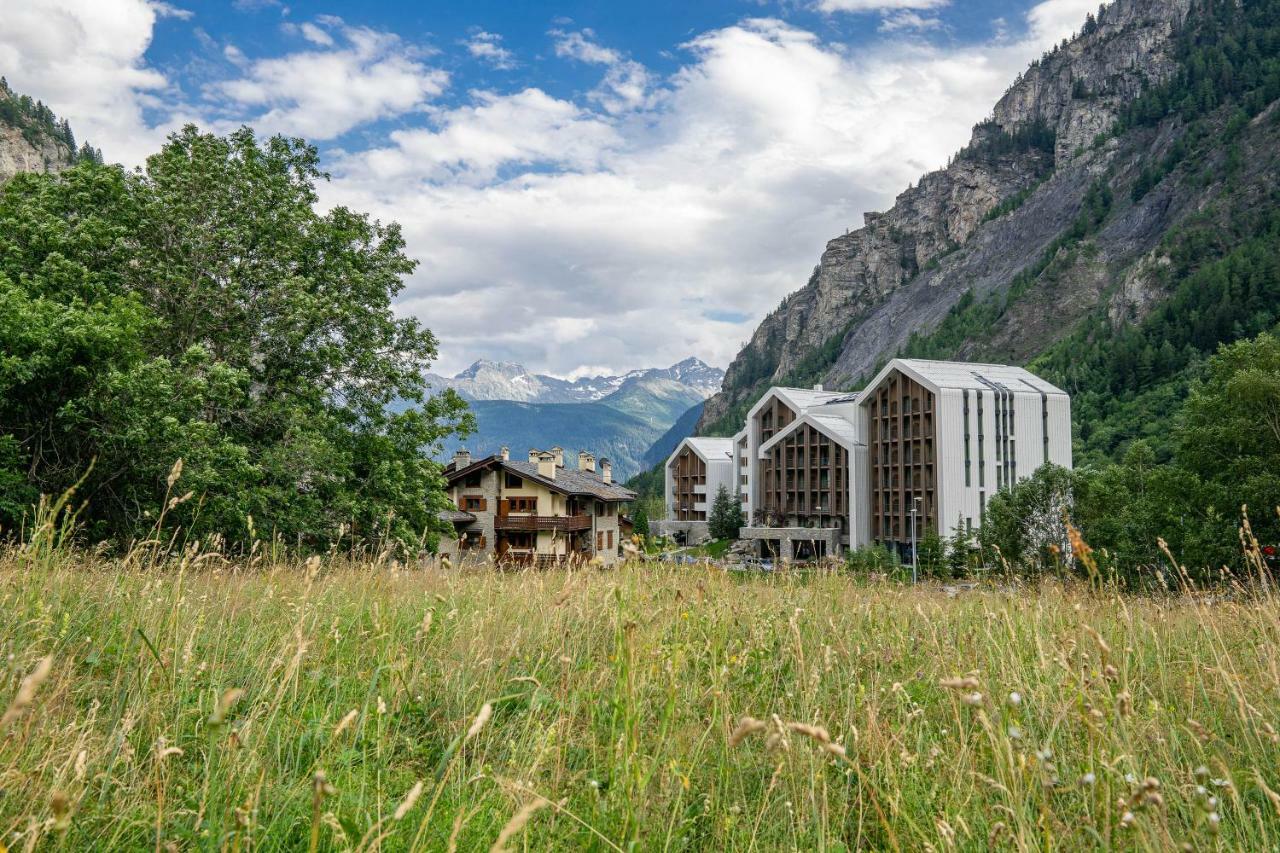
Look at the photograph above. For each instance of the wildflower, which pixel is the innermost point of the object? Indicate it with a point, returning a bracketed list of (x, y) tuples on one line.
[(1088, 778), (1015, 698), (974, 699)]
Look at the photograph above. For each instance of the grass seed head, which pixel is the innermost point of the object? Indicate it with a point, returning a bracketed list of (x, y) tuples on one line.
[(27, 691), (966, 683), (410, 799), (486, 711), (747, 726)]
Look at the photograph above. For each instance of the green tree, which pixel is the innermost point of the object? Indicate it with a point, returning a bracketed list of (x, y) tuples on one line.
[(640, 519), (726, 516), (959, 550), (1026, 523), (203, 309), (931, 555)]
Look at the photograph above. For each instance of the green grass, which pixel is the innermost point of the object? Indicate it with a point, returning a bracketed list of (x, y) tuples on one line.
[(613, 697)]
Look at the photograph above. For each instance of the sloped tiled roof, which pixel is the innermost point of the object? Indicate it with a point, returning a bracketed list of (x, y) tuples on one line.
[(574, 482)]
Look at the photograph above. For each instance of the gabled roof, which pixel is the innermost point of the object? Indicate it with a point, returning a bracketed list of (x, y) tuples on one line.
[(708, 448), (836, 428), (963, 375), (798, 400), (568, 481)]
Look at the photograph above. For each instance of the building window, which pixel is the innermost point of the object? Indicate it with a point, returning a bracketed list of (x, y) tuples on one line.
[(982, 506), (472, 480), (609, 544), (527, 504), (514, 482), (473, 504), (599, 540)]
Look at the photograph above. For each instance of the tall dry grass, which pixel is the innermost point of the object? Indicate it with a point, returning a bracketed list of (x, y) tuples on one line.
[(189, 702)]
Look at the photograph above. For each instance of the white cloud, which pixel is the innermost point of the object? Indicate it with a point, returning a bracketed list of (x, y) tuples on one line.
[(609, 230), (830, 6), (626, 83), (488, 47), (85, 59), (908, 20), (356, 75), (469, 144), (713, 200)]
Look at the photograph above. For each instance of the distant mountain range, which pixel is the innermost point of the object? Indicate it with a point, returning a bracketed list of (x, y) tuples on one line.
[(505, 380), (617, 417)]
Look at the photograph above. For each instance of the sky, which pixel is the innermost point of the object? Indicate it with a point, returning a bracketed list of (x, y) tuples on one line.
[(589, 187)]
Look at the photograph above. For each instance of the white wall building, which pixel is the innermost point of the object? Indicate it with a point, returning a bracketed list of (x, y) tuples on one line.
[(693, 475), (818, 471)]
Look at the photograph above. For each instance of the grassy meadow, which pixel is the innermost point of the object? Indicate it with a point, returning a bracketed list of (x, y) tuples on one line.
[(188, 702)]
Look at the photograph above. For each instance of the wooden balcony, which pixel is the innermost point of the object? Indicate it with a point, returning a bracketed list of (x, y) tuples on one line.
[(562, 523)]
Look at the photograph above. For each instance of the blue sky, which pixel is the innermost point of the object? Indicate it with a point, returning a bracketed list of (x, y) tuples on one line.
[(587, 186)]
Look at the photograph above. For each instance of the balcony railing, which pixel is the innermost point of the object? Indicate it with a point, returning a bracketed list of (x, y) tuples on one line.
[(562, 523)]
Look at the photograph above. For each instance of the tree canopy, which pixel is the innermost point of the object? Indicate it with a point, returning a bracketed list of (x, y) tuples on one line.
[(202, 308)]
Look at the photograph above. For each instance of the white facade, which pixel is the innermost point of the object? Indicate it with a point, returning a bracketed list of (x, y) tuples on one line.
[(996, 424), (992, 425)]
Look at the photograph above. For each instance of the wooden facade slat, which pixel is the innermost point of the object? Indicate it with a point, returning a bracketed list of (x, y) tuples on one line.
[(690, 471), (902, 449)]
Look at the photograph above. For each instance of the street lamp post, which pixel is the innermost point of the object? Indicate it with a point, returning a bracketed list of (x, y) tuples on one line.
[(915, 507)]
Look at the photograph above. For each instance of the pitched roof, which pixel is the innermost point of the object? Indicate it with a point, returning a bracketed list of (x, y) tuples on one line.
[(833, 426), (707, 447), (571, 481), (967, 375)]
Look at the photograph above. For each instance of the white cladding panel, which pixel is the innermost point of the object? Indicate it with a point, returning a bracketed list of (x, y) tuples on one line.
[(720, 472), (948, 463), (859, 497)]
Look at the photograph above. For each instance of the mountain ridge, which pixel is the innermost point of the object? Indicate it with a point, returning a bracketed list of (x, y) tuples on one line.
[(1113, 265), (504, 380)]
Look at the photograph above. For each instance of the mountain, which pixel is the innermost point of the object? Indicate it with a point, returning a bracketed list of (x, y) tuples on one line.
[(504, 380), (1112, 222), (32, 139), (617, 417), (666, 443)]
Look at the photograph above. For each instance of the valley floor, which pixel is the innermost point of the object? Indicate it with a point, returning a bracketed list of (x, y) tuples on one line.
[(216, 706)]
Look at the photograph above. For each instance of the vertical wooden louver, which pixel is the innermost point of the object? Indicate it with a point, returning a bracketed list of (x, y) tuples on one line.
[(806, 480), (689, 471), (901, 445)]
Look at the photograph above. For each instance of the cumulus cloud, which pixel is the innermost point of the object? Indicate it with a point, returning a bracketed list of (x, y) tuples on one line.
[(488, 47), (355, 75), (85, 58), (651, 218), (908, 20), (469, 144), (672, 228), (830, 6), (626, 83)]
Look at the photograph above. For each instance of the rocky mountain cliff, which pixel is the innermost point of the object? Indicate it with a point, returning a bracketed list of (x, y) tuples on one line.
[(31, 138), (998, 223)]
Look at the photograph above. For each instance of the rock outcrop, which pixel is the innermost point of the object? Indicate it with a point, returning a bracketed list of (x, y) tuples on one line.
[(1037, 154), (30, 140)]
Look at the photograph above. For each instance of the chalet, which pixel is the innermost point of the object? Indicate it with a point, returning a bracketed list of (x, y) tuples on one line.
[(693, 475), (535, 511)]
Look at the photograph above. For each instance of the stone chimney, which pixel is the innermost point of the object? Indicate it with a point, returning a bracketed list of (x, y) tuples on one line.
[(534, 453), (547, 465), (461, 458), (586, 462), (558, 453), (819, 387), (606, 470), (505, 453)]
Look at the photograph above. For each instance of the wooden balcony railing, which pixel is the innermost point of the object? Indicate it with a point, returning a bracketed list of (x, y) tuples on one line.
[(563, 523)]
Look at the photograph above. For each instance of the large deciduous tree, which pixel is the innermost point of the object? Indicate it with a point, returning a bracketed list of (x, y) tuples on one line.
[(202, 308)]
